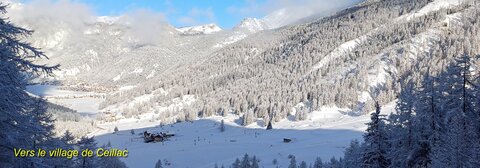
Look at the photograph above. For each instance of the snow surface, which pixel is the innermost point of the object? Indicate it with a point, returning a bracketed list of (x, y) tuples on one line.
[(252, 25), (237, 36), (202, 29), (82, 102), (85, 105), (325, 133), (108, 19), (341, 50), (432, 6), (51, 91)]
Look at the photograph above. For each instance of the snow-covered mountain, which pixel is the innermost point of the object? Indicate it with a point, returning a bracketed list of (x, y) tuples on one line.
[(108, 19), (202, 29), (252, 25)]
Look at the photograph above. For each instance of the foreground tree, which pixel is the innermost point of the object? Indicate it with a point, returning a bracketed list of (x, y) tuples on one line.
[(436, 123), (23, 118), (374, 155)]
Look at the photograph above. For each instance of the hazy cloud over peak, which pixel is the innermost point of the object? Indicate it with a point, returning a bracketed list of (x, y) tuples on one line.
[(287, 11)]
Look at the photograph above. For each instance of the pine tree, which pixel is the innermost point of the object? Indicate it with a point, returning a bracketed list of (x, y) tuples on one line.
[(269, 126), (427, 122), (159, 164), (374, 154), (115, 130), (222, 126), (334, 163), (236, 164), (255, 162), (301, 113), (245, 162), (293, 163), (353, 155), (318, 163), (24, 123), (68, 137), (303, 164), (87, 143), (457, 146), (400, 128), (248, 117)]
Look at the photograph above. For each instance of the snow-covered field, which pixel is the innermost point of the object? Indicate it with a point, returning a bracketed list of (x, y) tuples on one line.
[(201, 144), (325, 133), (82, 102)]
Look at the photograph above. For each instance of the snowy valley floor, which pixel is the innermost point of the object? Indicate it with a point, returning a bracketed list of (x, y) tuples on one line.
[(200, 143)]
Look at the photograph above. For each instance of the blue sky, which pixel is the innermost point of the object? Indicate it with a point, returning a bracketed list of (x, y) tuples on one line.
[(179, 13), (226, 13)]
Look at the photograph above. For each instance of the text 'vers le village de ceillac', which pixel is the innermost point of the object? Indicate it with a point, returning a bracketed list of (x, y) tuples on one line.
[(59, 152)]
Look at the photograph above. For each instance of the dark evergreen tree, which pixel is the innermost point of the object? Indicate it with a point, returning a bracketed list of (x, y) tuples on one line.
[(222, 126), (353, 155), (374, 154), (318, 163), (293, 163), (23, 118), (83, 144), (400, 127), (159, 164), (457, 146), (269, 126), (303, 164), (68, 137), (236, 164)]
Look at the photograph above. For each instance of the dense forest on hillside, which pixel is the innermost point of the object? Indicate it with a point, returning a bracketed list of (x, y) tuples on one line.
[(349, 59)]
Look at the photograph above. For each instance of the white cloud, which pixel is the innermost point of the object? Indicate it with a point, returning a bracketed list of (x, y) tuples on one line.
[(146, 26), (52, 21), (69, 12), (292, 10), (55, 20)]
